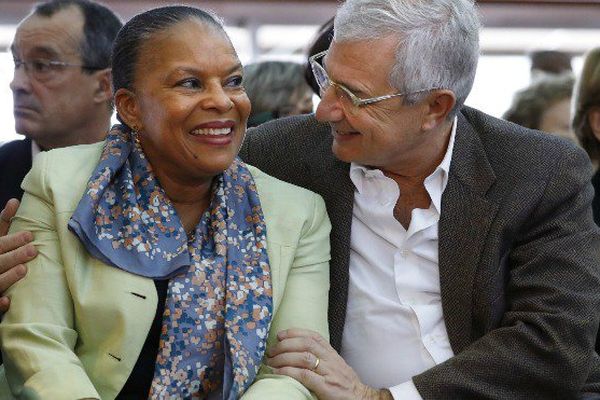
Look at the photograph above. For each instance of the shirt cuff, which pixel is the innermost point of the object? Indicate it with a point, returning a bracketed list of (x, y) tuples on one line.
[(405, 391)]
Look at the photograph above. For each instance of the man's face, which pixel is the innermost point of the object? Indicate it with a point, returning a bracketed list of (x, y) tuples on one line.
[(386, 134), (53, 110)]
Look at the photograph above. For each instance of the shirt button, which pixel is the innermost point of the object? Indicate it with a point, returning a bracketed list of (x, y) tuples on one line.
[(403, 253)]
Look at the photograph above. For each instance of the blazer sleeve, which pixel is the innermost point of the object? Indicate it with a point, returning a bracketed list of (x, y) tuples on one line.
[(543, 348), (303, 305), (37, 333)]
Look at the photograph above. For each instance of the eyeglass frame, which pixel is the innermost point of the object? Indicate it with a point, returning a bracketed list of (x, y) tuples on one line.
[(356, 101), (49, 63)]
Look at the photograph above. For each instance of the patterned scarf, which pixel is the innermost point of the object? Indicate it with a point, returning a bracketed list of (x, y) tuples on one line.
[(219, 302)]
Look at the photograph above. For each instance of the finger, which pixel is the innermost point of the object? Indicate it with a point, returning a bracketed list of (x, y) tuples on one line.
[(14, 241), (8, 278), (298, 345), (304, 360), (18, 256), (311, 380), (9, 211), (4, 304), (296, 332)]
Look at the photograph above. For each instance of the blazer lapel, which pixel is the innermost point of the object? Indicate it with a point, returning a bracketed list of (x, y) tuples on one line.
[(330, 178), (464, 223)]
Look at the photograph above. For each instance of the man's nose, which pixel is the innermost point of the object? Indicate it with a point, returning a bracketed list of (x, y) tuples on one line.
[(21, 81), (329, 109)]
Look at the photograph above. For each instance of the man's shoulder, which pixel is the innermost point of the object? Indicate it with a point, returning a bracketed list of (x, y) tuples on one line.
[(511, 148)]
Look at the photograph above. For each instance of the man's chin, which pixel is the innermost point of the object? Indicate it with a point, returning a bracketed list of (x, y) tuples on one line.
[(26, 128)]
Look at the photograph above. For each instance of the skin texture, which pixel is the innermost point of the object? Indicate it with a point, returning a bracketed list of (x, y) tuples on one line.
[(406, 142), (71, 108), (183, 89), (15, 251), (556, 119)]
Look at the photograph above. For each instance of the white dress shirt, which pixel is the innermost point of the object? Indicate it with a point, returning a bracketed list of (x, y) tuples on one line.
[(394, 321)]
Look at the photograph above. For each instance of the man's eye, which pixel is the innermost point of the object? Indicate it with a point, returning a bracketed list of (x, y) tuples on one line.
[(190, 83), (234, 82), (40, 66)]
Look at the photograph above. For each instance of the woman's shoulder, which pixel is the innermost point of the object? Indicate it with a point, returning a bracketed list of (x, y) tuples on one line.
[(271, 188), (63, 172)]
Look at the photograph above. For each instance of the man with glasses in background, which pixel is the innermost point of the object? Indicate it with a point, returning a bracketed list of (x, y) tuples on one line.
[(62, 97), (465, 260)]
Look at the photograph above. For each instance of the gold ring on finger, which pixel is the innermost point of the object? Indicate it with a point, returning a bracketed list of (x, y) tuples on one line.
[(317, 362)]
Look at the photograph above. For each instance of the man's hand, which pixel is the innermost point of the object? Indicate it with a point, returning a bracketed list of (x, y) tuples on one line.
[(15, 251), (307, 357)]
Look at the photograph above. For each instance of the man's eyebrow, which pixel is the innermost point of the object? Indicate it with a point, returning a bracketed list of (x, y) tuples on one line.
[(38, 51)]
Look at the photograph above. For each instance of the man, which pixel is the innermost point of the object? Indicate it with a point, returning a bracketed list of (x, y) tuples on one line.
[(464, 257), (62, 94), (464, 262)]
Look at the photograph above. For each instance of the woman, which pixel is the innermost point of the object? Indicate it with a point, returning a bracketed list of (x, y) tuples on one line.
[(586, 120), (179, 264)]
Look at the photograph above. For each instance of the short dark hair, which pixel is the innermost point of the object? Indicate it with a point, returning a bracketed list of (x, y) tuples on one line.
[(140, 29), (319, 43), (100, 28)]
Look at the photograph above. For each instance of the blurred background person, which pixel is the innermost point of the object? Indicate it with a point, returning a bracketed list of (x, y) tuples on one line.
[(276, 89), (549, 62), (61, 85), (545, 105), (586, 119)]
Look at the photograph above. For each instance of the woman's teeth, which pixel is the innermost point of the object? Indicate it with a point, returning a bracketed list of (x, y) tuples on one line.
[(212, 132)]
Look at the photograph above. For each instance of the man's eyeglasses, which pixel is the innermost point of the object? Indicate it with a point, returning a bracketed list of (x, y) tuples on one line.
[(44, 70), (343, 93)]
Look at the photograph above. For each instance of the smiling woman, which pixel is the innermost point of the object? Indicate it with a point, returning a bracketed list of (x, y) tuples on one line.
[(170, 270)]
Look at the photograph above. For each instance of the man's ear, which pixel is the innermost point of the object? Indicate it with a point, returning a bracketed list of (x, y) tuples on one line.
[(128, 108), (439, 104), (593, 116), (103, 90)]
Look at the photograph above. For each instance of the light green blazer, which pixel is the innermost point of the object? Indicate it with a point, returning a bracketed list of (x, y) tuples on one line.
[(75, 327)]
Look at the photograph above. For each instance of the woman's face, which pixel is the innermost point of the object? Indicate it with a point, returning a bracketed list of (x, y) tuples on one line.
[(189, 102)]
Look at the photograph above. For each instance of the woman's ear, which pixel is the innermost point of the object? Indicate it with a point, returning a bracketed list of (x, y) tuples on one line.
[(440, 103), (593, 116), (127, 108)]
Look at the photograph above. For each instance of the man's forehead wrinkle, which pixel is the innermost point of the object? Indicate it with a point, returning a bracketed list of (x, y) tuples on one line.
[(50, 34)]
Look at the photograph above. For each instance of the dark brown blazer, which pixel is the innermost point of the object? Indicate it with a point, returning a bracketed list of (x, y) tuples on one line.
[(519, 254)]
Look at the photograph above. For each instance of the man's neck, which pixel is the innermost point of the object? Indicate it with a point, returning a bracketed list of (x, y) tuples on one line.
[(93, 132), (421, 163)]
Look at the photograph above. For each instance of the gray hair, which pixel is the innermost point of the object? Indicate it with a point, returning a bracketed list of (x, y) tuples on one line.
[(438, 41)]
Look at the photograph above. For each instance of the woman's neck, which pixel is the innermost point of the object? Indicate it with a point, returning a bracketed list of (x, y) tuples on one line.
[(189, 199)]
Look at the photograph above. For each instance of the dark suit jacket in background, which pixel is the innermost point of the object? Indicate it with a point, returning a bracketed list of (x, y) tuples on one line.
[(15, 163), (518, 254)]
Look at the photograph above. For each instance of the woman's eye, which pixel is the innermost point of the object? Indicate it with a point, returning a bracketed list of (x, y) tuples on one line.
[(234, 82), (191, 83)]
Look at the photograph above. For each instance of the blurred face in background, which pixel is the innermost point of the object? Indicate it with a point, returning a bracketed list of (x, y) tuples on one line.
[(54, 98), (300, 102), (556, 120)]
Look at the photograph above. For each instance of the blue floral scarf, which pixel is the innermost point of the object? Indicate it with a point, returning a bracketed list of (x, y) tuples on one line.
[(219, 301)]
